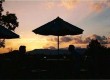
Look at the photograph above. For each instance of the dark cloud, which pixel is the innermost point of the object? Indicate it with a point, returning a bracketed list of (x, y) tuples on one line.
[(79, 40), (66, 39), (53, 39), (76, 40), (86, 40), (101, 39), (61, 39)]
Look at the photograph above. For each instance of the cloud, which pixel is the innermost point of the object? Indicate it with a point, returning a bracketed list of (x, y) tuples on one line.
[(80, 40), (95, 5), (100, 5), (101, 39), (76, 40), (69, 4), (108, 40), (52, 39), (94, 36), (66, 39), (50, 4)]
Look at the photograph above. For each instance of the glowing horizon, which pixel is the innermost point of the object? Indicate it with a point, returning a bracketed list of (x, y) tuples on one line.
[(92, 16)]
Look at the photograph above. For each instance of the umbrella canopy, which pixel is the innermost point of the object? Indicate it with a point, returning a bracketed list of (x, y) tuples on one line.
[(7, 34), (58, 27)]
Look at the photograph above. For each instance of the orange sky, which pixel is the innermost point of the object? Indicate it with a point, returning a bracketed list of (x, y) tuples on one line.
[(92, 16)]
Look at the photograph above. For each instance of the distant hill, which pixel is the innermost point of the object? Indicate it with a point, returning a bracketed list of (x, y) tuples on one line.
[(54, 52)]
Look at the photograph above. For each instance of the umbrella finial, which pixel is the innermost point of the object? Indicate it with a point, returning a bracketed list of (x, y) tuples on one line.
[(58, 17)]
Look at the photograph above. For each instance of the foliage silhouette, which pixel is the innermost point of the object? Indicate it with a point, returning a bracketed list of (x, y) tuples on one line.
[(2, 43), (97, 61), (8, 21)]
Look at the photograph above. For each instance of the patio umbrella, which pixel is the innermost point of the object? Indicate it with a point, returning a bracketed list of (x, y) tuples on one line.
[(58, 27), (7, 34)]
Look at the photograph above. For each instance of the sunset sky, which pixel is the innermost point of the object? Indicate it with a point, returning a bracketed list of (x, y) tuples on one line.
[(93, 16)]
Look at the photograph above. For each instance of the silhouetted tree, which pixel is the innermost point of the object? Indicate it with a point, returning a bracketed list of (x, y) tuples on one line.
[(95, 47), (96, 58), (94, 44), (2, 43), (8, 21), (1, 10)]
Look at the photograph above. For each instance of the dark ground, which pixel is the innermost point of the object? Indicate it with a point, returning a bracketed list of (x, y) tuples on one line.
[(22, 66), (93, 64)]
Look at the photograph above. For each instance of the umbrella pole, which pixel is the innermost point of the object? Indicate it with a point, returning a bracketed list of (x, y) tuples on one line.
[(58, 45)]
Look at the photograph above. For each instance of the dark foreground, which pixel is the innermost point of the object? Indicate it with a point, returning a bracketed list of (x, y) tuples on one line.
[(35, 67), (24, 66)]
